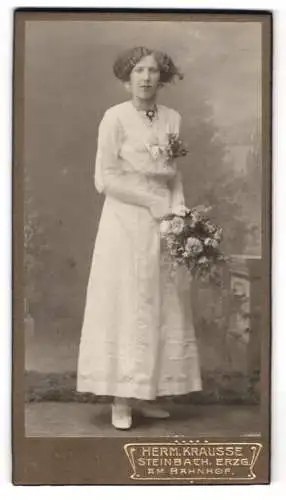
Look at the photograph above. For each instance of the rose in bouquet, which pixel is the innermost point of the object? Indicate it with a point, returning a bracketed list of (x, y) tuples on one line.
[(193, 240)]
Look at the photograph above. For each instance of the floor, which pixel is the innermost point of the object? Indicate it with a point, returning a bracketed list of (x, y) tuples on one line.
[(56, 419)]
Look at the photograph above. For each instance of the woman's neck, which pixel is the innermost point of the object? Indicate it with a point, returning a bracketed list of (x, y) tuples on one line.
[(143, 105)]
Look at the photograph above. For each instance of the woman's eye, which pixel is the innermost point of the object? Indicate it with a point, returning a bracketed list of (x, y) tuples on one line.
[(150, 70)]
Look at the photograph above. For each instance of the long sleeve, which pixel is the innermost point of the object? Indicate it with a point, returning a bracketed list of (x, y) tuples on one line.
[(109, 177), (177, 192)]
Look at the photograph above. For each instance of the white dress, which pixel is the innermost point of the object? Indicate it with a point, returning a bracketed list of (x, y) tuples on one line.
[(138, 337)]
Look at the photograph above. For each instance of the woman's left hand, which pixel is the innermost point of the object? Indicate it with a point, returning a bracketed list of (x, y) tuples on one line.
[(180, 210)]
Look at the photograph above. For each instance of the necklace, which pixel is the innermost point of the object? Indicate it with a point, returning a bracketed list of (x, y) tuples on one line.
[(150, 113)]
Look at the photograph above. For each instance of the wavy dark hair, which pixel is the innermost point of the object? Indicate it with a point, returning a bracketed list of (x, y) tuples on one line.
[(126, 61)]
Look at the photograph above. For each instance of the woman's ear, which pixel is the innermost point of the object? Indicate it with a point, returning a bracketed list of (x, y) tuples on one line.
[(127, 86)]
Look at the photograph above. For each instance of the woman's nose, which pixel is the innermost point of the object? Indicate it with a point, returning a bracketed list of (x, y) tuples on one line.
[(146, 74)]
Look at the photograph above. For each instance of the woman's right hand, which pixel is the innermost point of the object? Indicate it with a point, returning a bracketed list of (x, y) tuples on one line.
[(160, 208)]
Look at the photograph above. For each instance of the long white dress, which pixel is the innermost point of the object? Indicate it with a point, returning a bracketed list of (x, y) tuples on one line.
[(138, 337)]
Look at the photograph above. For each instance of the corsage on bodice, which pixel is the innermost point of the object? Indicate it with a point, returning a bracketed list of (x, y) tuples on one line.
[(147, 154)]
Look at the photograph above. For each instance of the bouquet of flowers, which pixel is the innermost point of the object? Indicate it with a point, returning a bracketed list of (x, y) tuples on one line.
[(192, 240)]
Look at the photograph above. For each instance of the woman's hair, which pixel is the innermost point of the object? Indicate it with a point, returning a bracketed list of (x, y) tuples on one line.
[(126, 61)]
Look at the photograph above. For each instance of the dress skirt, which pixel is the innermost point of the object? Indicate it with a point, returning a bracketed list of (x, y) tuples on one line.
[(138, 338)]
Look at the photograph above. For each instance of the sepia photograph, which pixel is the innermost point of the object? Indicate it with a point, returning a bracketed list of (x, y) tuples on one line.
[(143, 158)]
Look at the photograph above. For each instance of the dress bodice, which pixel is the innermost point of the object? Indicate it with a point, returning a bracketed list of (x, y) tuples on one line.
[(143, 143), (131, 152), (139, 143)]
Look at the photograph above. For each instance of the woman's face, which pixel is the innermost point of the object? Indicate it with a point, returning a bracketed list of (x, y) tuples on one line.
[(145, 78)]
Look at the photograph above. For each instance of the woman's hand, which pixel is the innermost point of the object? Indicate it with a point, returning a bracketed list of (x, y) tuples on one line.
[(180, 210), (160, 209)]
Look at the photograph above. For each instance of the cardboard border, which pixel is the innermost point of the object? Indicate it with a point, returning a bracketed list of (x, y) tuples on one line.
[(102, 460)]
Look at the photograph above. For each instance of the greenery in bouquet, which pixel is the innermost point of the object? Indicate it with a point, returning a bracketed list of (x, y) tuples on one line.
[(193, 240)]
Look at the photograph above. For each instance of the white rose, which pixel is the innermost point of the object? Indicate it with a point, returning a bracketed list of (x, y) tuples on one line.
[(165, 227), (194, 246), (177, 225), (210, 242)]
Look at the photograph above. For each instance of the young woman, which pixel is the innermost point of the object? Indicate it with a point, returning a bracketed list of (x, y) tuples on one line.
[(138, 340)]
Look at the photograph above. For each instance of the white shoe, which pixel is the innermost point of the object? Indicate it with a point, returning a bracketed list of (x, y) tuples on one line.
[(152, 411), (121, 415)]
